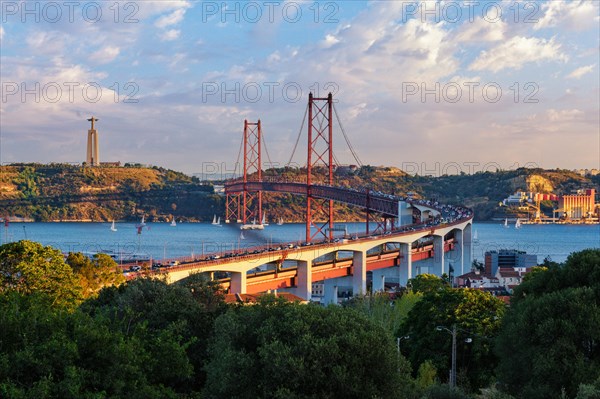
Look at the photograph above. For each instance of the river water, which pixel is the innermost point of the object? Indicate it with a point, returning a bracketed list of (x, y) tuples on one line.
[(160, 240)]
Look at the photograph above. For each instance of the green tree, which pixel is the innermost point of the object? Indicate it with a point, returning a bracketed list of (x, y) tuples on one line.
[(207, 293), (282, 350), (96, 273), (550, 337), (425, 283), (476, 315), (426, 375), (27, 267), (51, 353), (388, 314), (27, 182), (171, 319)]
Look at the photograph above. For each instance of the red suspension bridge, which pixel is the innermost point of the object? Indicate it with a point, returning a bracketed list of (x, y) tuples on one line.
[(390, 220)]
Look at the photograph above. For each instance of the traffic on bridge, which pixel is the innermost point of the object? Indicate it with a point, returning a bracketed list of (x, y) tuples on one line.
[(404, 236)]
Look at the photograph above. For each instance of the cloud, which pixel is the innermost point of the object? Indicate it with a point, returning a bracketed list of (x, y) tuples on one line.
[(579, 72), (150, 8), (481, 30), (105, 55), (573, 15), (172, 34), (172, 19), (368, 56), (516, 52), (43, 42), (564, 115)]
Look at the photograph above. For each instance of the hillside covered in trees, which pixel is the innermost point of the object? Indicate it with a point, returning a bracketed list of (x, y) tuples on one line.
[(59, 192), (62, 192)]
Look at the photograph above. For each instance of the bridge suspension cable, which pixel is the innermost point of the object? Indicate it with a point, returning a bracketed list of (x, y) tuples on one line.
[(237, 162), (346, 137), (298, 137), (264, 143)]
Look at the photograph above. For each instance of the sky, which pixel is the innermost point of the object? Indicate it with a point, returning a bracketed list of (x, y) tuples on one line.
[(436, 87)]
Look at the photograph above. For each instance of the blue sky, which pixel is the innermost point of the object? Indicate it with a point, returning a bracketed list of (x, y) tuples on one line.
[(427, 86)]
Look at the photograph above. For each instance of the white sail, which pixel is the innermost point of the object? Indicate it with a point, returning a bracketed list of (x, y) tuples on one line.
[(264, 220), (280, 222), (475, 239), (143, 222), (506, 223), (214, 219), (518, 224), (173, 223), (112, 227), (242, 236), (252, 226)]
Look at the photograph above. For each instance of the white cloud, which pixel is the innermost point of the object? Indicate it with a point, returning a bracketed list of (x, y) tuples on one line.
[(329, 41), (150, 8), (481, 30), (105, 55), (579, 72), (573, 15), (516, 52), (44, 42), (368, 56), (172, 34), (172, 19), (564, 115)]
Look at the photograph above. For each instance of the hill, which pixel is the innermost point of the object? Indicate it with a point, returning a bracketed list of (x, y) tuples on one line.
[(56, 192), (480, 191), (61, 192)]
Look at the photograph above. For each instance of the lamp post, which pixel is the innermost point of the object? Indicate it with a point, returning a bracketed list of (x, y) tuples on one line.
[(453, 333), (400, 339)]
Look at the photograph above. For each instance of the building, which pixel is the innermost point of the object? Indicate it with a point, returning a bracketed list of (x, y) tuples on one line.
[(219, 189), (577, 206), (507, 258), (509, 277), (588, 172), (503, 271), (477, 279), (515, 198)]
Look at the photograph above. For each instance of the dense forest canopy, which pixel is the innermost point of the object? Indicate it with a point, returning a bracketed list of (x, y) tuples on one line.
[(71, 328)]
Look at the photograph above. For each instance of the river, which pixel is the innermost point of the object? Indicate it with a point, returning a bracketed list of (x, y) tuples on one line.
[(161, 240)]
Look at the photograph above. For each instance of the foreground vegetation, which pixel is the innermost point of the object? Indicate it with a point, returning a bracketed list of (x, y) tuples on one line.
[(74, 329), (68, 192)]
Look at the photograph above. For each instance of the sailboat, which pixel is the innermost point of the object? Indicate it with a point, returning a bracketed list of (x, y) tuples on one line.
[(518, 224), (112, 227), (252, 226), (216, 221), (173, 223), (264, 220), (143, 222), (242, 235), (475, 239), (280, 222), (506, 223)]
